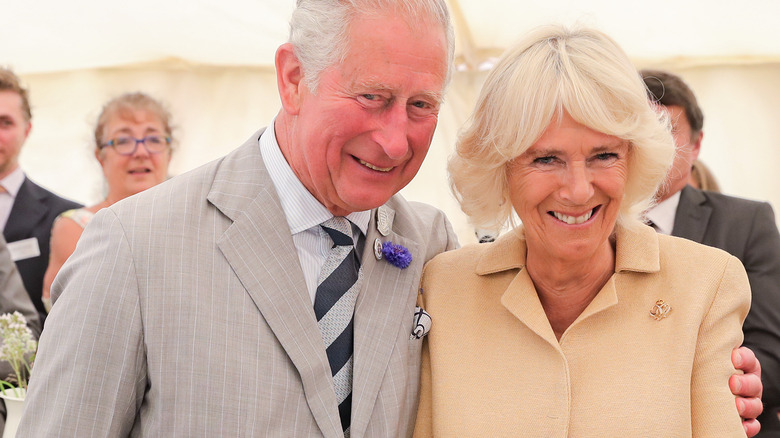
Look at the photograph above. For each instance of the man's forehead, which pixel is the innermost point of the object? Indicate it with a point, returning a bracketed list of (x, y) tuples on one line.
[(10, 101), (376, 84), (677, 115), (387, 39)]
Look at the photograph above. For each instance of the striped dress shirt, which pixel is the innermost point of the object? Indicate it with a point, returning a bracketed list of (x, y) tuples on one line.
[(304, 213)]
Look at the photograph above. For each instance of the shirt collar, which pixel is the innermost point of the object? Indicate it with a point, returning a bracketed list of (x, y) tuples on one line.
[(13, 182), (662, 215), (300, 207)]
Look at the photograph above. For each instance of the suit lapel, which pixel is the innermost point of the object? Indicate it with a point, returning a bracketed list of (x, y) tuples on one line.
[(259, 248), (692, 216), (384, 307), (26, 212)]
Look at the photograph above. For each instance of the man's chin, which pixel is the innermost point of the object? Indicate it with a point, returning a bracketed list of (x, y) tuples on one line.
[(363, 203)]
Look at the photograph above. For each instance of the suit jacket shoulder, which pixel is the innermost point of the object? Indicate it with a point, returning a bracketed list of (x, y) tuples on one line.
[(54, 201), (31, 217), (722, 221), (424, 223)]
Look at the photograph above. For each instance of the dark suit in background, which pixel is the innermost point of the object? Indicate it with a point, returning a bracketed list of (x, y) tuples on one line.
[(747, 230), (32, 215)]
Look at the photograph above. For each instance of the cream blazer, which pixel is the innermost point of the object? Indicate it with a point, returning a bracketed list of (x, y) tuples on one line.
[(493, 367)]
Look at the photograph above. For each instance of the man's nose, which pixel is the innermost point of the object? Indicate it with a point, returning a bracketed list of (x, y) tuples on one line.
[(392, 134)]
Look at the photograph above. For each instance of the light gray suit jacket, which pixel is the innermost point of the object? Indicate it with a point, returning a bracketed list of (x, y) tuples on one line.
[(184, 312)]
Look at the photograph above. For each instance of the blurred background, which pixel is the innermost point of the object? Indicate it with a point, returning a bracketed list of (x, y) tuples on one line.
[(211, 62)]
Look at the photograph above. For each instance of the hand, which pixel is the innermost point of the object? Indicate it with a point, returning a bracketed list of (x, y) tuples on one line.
[(748, 388)]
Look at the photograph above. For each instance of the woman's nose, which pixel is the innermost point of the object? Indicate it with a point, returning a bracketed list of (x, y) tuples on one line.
[(578, 185)]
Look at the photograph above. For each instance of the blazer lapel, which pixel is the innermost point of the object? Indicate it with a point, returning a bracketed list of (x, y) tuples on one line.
[(259, 248), (507, 253), (693, 215), (26, 213), (384, 307)]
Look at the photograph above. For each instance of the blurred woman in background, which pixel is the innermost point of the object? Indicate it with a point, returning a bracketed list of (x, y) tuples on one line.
[(133, 146)]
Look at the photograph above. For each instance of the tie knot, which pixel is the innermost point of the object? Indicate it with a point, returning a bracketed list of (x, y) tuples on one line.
[(339, 229)]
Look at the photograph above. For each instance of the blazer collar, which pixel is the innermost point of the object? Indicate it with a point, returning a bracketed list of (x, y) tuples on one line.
[(693, 215), (383, 312), (259, 248), (636, 250)]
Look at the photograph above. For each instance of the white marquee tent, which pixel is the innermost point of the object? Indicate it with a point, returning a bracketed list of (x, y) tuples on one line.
[(211, 62)]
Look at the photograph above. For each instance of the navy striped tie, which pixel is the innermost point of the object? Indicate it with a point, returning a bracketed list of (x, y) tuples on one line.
[(334, 306)]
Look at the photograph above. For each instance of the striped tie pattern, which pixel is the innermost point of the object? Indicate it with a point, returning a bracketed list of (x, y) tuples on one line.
[(334, 306)]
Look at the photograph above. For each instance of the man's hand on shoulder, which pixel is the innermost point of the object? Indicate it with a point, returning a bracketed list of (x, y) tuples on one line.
[(748, 388)]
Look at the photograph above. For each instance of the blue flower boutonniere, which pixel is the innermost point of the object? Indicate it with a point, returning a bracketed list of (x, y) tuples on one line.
[(396, 255)]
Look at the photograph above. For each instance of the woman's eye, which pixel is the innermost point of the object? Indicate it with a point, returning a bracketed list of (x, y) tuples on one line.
[(605, 156), (545, 160)]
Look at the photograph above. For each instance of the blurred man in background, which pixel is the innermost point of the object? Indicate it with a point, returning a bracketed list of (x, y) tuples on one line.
[(746, 229)]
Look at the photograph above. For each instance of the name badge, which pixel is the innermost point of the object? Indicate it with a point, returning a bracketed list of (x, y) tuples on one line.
[(24, 249)]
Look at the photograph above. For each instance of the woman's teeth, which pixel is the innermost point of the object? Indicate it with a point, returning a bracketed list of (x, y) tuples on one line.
[(571, 220)]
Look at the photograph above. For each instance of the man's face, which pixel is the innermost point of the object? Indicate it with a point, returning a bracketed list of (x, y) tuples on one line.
[(688, 146), (364, 135), (14, 128)]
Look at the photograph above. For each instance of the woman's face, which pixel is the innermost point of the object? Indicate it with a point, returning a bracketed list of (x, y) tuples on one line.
[(130, 174), (567, 189)]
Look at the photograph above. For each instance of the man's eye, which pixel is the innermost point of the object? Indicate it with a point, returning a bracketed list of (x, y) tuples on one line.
[(372, 100)]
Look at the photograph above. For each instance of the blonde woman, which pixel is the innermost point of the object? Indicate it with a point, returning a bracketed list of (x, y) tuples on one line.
[(582, 321)]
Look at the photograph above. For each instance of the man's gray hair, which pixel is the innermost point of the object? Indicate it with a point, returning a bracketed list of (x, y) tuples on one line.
[(319, 29)]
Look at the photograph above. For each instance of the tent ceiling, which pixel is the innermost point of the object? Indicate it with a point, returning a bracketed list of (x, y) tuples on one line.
[(49, 35)]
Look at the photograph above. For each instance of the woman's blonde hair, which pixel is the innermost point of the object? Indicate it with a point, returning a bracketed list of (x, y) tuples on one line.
[(553, 69), (125, 105)]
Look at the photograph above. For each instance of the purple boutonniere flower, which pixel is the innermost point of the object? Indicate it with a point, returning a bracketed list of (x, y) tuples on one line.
[(396, 255)]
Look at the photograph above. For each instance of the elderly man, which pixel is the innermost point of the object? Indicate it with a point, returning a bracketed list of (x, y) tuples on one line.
[(27, 210), (745, 229), (217, 303), (272, 292)]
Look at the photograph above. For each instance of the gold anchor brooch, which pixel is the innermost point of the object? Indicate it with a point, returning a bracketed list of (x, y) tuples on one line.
[(660, 310)]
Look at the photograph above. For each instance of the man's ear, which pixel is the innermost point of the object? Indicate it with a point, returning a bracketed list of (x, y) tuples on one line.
[(289, 78), (696, 145)]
